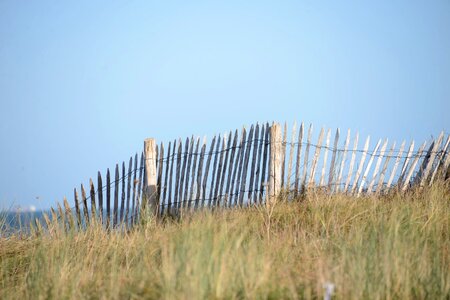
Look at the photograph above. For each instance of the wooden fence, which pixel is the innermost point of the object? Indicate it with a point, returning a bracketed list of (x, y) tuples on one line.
[(249, 167)]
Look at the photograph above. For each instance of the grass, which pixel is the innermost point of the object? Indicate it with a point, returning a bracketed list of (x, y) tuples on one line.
[(390, 247)]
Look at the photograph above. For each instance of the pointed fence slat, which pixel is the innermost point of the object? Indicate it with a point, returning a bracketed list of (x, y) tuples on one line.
[(85, 205), (139, 200), (239, 169), (188, 171), (253, 166), (264, 173), (92, 194), (122, 203), (366, 173), (77, 208), (342, 165), (100, 195), (333, 160), (193, 173), (425, 160), (325, 158), (283, 154), (133, 199), (166, 180), (397, 162), (377, 166), (305, 165), (446, 164), (352, 163), (144, 196), (116, 196), (219, 171), (440, 160), (129, 174), (225, 166), (208, 163), (260, 145), (316, 158), (233, 170), (384, 169), (413, 167), (156, 155), (177, 184), (260, 171), (172, 162), (291, 157), (108, 198), (433, 154), (361, 165), (297, 164), (405, 164), (245, 165), (159, 180), (183, 173), (213, 174), (200, 173)]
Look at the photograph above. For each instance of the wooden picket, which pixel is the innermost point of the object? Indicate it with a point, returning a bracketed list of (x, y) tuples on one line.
[(116, 196), (219, 175), (122, 202), (377, 166), (445, 151), (233, 167), (85, 206), (258, 174), (341, 167), (325, 158), (108, 199), (172, 162), (397, 161), (291, 157), (133, 198), (92, 195), (333, 160), (199, 173), (366, 173), (264, 174), (352, 163), (298, 162), (253, 166)]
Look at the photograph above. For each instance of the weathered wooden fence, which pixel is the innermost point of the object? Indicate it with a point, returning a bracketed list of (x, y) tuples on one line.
[(249, 167)]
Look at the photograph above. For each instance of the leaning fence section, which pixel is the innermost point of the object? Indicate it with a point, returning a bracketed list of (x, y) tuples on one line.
[(249, 166)]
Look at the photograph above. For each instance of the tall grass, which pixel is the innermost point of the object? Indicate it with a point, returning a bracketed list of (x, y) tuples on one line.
[(391, 247)]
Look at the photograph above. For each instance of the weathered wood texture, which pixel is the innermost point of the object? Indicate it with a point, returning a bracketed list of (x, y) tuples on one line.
[(151, 182), (249, 167), (275, 162)]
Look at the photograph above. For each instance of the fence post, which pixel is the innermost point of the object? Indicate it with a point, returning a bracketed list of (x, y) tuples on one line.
[(276, 160), (150, 187)]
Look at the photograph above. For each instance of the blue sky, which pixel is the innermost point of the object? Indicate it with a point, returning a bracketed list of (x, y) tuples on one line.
[(82, 83)]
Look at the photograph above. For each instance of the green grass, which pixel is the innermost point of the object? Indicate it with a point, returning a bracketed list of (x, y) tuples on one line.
[(392, 247)]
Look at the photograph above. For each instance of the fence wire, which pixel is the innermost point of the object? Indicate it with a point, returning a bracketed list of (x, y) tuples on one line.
[(177, 157)]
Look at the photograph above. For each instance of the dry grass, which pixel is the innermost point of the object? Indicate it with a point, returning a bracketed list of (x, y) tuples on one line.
[(393, 247)]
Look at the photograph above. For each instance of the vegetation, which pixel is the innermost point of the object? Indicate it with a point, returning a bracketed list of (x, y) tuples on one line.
[(389, 247)]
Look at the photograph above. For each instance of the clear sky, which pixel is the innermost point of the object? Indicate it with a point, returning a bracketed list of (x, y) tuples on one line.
[(83, 83)]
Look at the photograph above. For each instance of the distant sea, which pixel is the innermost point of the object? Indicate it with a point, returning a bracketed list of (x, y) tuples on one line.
[(19, 221)]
